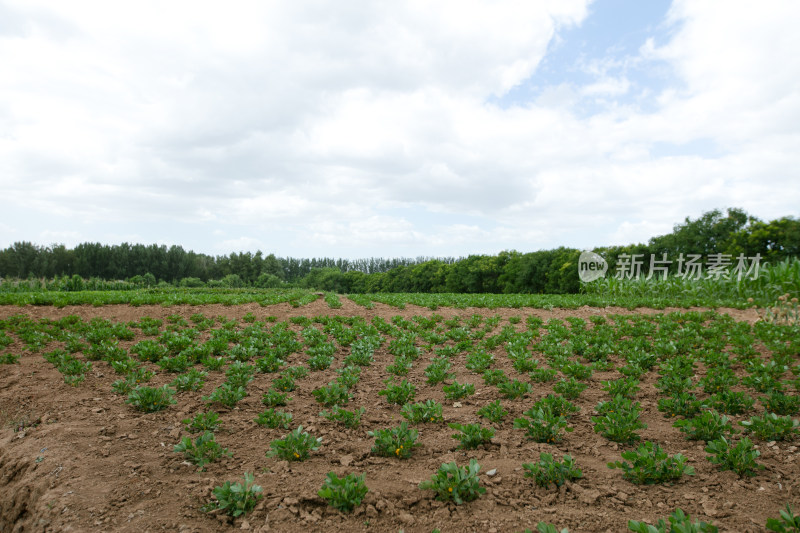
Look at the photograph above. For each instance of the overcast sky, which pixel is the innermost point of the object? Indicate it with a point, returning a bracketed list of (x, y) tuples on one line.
[(370, 128)]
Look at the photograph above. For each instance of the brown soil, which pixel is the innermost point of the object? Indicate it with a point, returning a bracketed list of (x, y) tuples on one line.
[(80, 459)]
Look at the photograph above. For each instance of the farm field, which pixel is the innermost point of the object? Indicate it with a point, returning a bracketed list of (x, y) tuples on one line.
[(83, 448)]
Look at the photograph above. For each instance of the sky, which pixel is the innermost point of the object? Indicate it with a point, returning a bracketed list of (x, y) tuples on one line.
[(394, 129)]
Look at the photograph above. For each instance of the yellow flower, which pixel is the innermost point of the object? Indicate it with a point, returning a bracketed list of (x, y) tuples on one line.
[(449, 489), (297, 455)]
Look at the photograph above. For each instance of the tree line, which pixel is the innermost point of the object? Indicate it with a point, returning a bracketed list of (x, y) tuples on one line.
[(553, 271)]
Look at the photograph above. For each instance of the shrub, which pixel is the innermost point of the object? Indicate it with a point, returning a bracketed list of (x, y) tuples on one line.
[(549, 471), (651, 464), (454, 483), (344, 494)]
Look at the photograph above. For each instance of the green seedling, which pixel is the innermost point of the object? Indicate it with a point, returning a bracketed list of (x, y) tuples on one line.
[(456, 390), (297, 445), (427, 411), (193, 380), (707, 426), (470, 436), (679, 522), (514, 389), (274, 398), (438, 371), (454, 483), (549, 471), (274, 419), (493, 412), (236, 499), (151, 399), (740, 458), (494, 376), (226, 395), (203, 450), (651, 464), (788, 523), (399, 394), (781, 404), (730, 402), (332, 394), (202, 422), (395, 442), (569, 388), (771, 427), (682, 404), (343, 494), (542, 425), (625, 387), (349, 419)]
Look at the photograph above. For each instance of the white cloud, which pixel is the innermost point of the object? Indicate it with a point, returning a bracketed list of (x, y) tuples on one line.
[(299, 127)]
